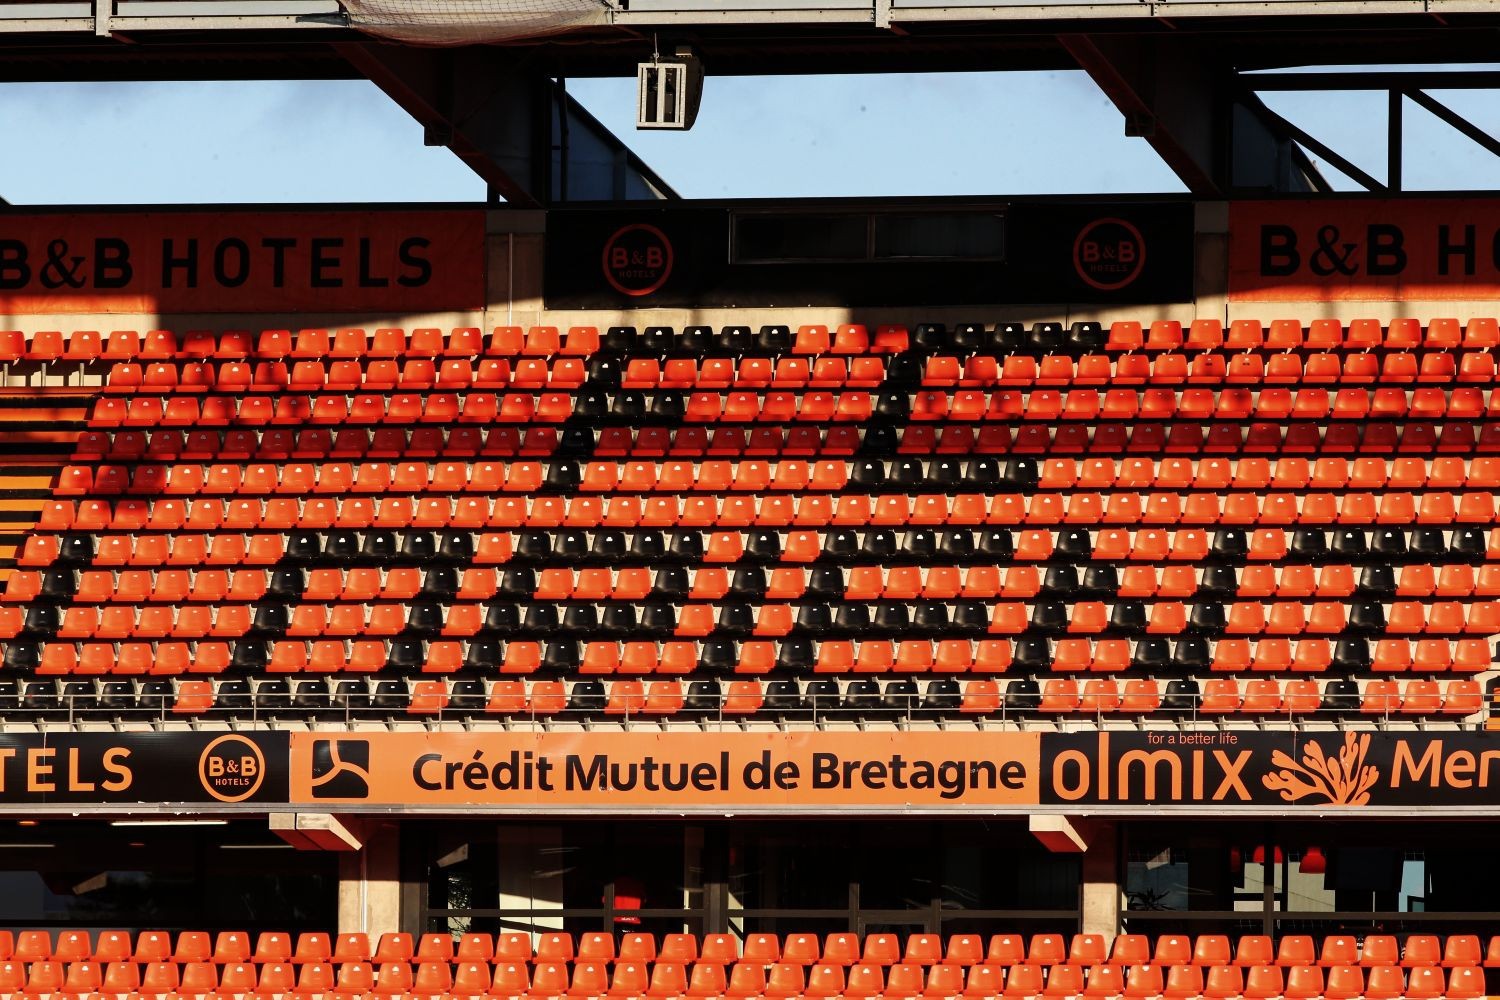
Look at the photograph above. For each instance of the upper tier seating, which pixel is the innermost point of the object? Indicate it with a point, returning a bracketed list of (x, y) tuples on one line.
[(1259, 519)]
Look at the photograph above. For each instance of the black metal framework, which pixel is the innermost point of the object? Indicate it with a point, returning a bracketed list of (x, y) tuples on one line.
[(862, 895), (1398, 86), (1453, 890)]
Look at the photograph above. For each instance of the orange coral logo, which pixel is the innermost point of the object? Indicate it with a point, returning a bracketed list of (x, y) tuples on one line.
[(1344, 780)]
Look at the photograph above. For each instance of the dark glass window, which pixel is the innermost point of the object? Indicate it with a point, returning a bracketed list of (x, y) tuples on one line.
[(224, 876), (795, 236), (935, 235)]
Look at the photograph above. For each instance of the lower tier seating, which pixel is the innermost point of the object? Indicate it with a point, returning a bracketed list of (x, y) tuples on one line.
[(109, 964)]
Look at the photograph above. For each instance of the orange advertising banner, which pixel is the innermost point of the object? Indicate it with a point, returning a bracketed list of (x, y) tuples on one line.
[(679, 771), (241, 262), (1364, 250)]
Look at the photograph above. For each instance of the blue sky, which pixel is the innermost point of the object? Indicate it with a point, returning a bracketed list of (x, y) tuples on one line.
[(923, 134)]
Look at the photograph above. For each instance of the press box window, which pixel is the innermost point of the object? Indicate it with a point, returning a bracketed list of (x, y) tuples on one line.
[(761, 238), (864, 237), (955, 236)]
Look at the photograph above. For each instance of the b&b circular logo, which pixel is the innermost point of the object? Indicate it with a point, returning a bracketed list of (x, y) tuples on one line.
[(231, 768), (1109, 254), (637, 259)]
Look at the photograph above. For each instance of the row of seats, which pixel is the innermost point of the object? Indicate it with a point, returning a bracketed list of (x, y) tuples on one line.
[(222, 544), (759, 656), (1428, 439), (803, 950), (788, 374), (1258, 698), (1022, 698), (233, 617), (894, 510), (1001, 406), (787, 583), (1442, 334), (744, 980), (1218, 478)]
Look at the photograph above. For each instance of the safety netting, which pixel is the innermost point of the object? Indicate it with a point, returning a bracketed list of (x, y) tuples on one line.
[(469, 22)]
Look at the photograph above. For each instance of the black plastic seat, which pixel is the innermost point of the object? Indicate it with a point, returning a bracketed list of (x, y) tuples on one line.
[(892, 617), (1378, 580), (627, 407), (116, 696), (304, 547), (901, 695), (822, 694), (703, 696), (78, 696), (1151, 655), (311, 694), (861, 695), (970, 617), (248, 655), (687, 546), (42, 620), (943, 694), (1020, 474), (1207, 618), (540, 619), (783, 696), (467, 695), (647, 546), (1023, 695), (58, 584), (1128, 617), (1367, 617), (1191, 654), (1060, 581), (618, 620), (1032, 653), (1229, 544), (658, 618), (272, 693), (587, 696), (1349, 543), (736, 619), (561, 655), (1100, 581), (718, 655), (483, 655), (1309, 545), (1219, 581), (773, 340), (795, 654), (1341, 696), (619, 340), (418, 546), (350, 693), (1181, 695), (233, 694), (1388, 542), (1351, 655), (39, 696)]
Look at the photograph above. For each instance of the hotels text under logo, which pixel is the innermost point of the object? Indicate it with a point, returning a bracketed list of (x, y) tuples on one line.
[(241, 262)]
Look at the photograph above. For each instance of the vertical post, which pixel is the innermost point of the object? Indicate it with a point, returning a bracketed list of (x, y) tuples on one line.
[(1100, 891), (1394, 142), (1268, 884), (370, 884)]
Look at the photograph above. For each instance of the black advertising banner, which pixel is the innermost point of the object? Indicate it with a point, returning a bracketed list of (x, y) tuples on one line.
[(943, 253), (1293, 770), (109, 768), (1211, 772)]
